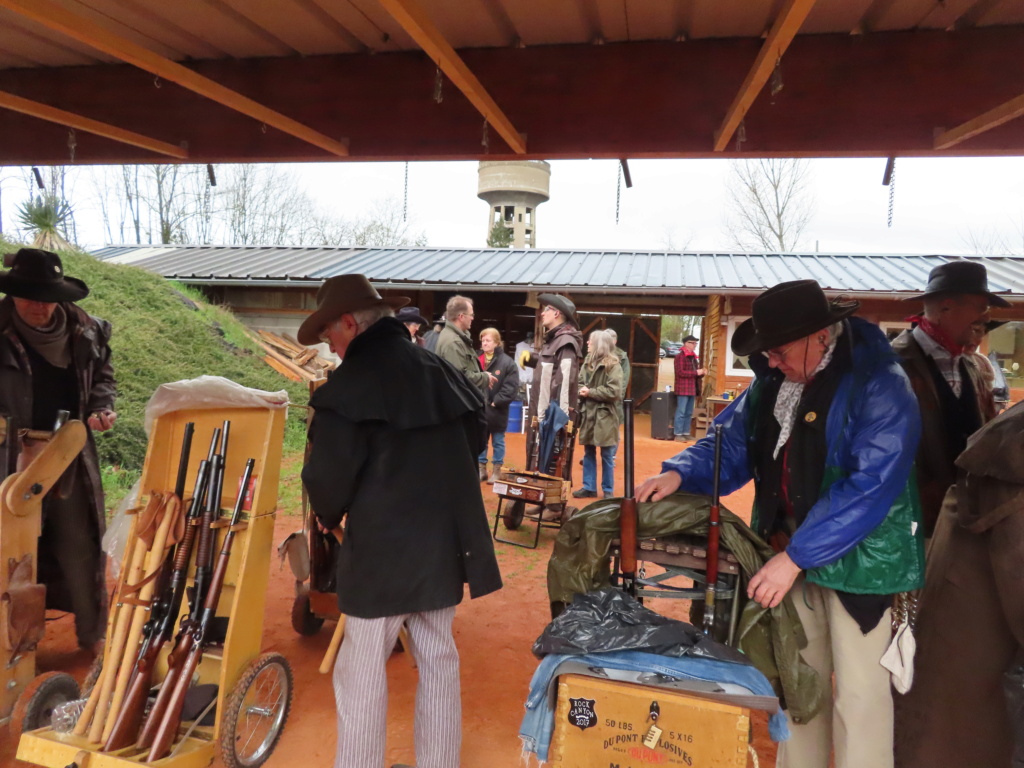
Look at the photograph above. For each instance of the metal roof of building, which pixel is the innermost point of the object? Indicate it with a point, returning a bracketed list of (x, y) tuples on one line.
[(485, 269)]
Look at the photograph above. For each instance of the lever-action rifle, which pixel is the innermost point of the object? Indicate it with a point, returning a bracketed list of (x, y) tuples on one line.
[(195, 641), (628, 515), (714, 528)]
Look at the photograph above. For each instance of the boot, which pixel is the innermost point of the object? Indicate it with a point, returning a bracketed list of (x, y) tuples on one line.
[(495, 474), (483, 473)]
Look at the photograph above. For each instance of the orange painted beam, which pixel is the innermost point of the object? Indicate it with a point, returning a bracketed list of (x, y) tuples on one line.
[(420, 27), (1004, 113), (59, 19), (87, 124), (786, 25)]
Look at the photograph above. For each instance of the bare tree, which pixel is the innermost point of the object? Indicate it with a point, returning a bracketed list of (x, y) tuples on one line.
[(991, 241), (386, 227), (770, 203)]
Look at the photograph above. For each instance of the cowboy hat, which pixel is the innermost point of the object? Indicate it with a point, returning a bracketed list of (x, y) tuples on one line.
[(338, 296), (785, 313), (38, 275), (410, 315), (961, 276), (562, 304)]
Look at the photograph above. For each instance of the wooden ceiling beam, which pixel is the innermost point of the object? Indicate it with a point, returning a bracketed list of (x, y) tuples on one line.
[(58, 19), (420, 27), (1004, 113), (87, 124), (786, 25)]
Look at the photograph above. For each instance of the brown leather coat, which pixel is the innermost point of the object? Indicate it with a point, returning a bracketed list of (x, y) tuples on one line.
[(971, 623), (935, 462)]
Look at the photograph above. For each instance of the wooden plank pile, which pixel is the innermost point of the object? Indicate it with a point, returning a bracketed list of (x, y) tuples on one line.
[(285, 355)]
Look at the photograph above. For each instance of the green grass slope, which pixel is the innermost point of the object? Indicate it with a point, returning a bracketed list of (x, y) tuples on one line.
[(159, 336)]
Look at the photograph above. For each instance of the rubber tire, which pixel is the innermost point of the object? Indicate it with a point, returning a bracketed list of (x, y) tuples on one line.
[(36, 703), (229, 720), (513, 511), (304, 621)]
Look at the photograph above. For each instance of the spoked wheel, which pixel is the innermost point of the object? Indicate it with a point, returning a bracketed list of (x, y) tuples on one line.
[(304, 621), (256, 712), (512, 512), (36, 703)]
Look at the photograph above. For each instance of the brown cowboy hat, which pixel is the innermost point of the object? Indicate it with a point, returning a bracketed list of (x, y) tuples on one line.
[(960, 276), (338, 296), (38, 275)]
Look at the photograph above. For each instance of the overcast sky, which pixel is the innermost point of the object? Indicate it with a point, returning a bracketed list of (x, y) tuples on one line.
[(940, 204)]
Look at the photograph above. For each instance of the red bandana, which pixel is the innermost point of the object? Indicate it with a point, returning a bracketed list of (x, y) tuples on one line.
[(937, 334)]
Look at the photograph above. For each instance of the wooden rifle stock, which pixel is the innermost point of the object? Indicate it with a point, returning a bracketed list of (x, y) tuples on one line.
[(714, 530), (171, 719), (628, 514)]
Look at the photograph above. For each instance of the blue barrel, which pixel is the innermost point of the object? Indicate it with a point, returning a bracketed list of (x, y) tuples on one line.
[(515, 416)]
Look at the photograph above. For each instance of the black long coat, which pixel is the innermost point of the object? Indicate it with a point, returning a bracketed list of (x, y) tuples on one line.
[(395, 437), (500, 396)]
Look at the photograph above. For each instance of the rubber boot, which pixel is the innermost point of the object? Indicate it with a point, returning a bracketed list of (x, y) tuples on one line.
[(495, 474), (483, 473)]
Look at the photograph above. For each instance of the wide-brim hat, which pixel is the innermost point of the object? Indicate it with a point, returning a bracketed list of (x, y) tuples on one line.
[(562, 304), (338, 296), (38, 275), (785, 313), (961, 276), (411, 315)]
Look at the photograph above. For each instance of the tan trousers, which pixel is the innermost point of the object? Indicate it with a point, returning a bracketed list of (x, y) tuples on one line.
[(858, 721)]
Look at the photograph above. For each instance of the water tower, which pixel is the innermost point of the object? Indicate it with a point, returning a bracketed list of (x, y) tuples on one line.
[(514, 189)]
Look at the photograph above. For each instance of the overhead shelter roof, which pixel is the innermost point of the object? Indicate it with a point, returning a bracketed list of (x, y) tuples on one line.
[(578, 272), (255, 80)]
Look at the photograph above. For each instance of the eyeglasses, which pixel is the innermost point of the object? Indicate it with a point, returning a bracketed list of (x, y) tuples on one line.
[(780, 353)]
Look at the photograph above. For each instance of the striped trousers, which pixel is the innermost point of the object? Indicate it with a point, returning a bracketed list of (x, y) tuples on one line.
[(361, 689)]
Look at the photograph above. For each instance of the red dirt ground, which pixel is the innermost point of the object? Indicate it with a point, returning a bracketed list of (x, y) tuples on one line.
[(494, 635)]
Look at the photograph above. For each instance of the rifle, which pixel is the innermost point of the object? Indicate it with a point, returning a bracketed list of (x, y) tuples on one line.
[(628, 514), (714, 531), (169, 591), (195, 641), (135, 702)]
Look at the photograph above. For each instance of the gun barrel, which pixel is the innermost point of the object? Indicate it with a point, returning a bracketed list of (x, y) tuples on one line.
[(714, 534), (186, 451), (628, 513)]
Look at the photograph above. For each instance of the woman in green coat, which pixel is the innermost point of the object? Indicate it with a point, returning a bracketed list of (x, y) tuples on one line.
[(601, 388)]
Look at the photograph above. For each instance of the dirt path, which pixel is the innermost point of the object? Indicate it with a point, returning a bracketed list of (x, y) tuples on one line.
[(494, 635)]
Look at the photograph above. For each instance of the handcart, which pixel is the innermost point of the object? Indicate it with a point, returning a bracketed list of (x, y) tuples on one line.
[(26, 700), (244, 695), (528, 494)]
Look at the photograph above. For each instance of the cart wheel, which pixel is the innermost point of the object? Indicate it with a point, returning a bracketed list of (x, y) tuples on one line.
[(256, 711), (513, 512), (36, 703), (304, 621)]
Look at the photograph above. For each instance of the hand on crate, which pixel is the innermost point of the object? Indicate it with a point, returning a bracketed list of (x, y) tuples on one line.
[(770, 584), (658, 487)]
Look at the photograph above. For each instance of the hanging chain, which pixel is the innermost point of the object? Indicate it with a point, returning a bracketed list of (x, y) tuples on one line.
[(72, 144), (405, 200), (485, 141), (618, 193), (741, 135), (438, 86), (892, 191), (776, 83)]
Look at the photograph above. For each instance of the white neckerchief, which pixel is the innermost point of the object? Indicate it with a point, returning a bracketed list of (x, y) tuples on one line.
[(790, 393)]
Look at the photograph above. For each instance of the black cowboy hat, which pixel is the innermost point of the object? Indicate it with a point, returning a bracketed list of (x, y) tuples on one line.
[(961, 276), (410, 315), (38, 275), (338, 296), (562, 304), (785, 313)]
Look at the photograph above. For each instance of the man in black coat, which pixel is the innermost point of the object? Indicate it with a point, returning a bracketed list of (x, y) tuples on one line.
[(395, 436)]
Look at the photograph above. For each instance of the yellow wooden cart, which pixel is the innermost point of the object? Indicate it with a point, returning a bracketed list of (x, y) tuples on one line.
[(253, 690)]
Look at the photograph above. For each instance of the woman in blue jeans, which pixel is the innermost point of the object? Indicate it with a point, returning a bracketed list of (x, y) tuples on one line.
[(499, 397), (601, 389)]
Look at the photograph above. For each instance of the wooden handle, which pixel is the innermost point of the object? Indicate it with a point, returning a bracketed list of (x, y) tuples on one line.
[(332, 650)]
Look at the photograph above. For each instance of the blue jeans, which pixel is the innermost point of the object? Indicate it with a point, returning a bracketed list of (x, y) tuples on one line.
[(498, 444), (607, 468), (684, 414)]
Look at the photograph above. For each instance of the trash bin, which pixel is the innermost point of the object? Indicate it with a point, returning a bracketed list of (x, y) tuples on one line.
[(663, 413), (515, 416)]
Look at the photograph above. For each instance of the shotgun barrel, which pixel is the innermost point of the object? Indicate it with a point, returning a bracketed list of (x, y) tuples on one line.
[(714, 531), (628, 515)]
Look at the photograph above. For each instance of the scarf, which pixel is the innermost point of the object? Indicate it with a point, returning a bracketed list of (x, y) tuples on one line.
[(938, 334), (790, 393), (51, 342)]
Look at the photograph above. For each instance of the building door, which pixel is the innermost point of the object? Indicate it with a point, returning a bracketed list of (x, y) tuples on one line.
[(639, 337)]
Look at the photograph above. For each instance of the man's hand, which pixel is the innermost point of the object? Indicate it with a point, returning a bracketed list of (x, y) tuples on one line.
[(336, 532), (491, 379), (773, 581), (101, 421), (658, 487), (701, 371), (584, 391)]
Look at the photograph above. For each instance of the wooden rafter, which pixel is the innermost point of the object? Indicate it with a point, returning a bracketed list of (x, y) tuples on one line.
[(786, 25), (1005, 112), (57, 18), (87, 124), (419, 26)]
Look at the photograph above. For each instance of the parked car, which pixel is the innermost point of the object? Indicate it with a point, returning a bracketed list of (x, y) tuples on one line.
[(670, 348)]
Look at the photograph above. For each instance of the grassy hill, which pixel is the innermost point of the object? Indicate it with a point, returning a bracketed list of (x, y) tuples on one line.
[(162, 332)]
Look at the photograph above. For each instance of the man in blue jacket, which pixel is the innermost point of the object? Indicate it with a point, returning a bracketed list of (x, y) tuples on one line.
[(828, 433)]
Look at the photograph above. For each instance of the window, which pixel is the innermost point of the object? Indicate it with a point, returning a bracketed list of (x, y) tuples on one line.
[(735, 365), (1007, 344), (892, 329)]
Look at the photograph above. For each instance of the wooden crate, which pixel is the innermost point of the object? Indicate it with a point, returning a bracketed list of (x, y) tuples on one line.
[(602, 723)]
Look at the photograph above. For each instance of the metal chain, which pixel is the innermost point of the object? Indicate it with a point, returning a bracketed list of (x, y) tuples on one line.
[(72, 143), (405, 200), (438, 87), (892, 191), (486, 140), (618, 193)]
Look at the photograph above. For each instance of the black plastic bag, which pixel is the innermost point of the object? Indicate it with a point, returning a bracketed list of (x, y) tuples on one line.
[(1013, 687), (610, 620)]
